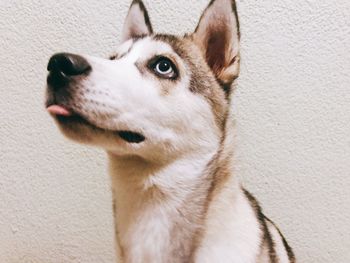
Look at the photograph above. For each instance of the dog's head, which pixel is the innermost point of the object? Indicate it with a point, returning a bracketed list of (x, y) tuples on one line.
[(158, 96)]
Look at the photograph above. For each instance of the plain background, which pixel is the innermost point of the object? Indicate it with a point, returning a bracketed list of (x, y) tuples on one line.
[(292, 113)]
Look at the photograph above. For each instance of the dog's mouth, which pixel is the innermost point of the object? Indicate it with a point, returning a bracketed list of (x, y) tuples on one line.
[(66, 116)]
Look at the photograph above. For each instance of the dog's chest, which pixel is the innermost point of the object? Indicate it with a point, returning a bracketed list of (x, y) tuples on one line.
[(155, 236), (147, 238), (163, 231)]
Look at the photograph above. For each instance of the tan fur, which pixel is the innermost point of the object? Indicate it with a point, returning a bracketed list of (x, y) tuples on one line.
[(203, 80)]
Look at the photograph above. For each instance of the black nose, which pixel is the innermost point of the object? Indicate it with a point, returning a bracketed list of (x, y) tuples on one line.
[(63, 66)]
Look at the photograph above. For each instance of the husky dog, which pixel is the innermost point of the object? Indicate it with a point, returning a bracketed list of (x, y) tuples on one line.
[(160, 107)]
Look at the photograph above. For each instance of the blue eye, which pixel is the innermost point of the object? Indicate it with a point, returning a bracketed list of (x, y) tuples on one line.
[(164, 68)]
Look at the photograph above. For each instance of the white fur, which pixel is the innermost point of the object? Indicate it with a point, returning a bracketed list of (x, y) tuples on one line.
[(144, 222), (153, 179), (131, 101), (232, 230)]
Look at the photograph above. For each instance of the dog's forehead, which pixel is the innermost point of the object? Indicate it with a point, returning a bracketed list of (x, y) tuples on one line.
[(144, 48)]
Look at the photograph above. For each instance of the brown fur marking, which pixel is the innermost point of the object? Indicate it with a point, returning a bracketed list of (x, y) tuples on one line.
[(202, 79)]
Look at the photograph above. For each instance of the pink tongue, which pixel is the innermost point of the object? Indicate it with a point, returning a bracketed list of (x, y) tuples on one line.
[(59, 111)]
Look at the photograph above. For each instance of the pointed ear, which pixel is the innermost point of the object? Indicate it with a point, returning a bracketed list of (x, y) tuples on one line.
[(137, 22), (218, 36)]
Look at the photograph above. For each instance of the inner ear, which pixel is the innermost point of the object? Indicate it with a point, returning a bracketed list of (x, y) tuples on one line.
[(218, 36), (137, 22), (215, 52)]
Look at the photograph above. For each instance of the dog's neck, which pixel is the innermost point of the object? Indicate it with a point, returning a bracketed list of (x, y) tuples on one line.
[(160, 210)]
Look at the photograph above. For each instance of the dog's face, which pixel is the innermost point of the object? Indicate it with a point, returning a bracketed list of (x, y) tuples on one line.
[(158, 96)]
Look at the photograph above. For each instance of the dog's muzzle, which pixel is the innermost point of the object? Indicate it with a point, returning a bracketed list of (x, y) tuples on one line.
[(64, 71)]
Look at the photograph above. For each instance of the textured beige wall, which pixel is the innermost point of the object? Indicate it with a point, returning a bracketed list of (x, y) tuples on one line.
[(293, 125)]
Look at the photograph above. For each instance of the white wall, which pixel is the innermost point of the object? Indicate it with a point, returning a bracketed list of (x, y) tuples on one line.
[(293, 125)]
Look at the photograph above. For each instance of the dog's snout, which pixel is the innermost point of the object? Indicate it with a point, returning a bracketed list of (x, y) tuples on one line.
[(63, 66), (68, 64)]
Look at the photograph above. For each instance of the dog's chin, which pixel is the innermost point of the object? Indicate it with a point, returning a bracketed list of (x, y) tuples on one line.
[(78, 128)]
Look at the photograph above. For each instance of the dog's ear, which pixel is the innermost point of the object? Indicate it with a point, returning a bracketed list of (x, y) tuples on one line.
[(137, 22), (218, 36)]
